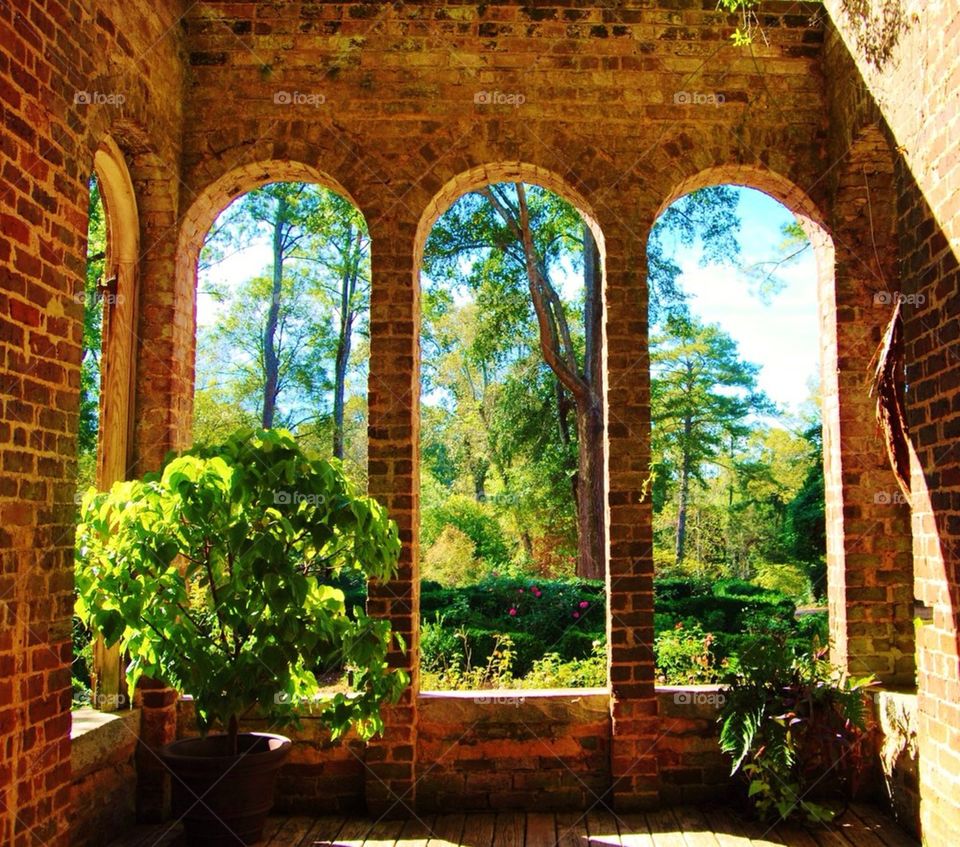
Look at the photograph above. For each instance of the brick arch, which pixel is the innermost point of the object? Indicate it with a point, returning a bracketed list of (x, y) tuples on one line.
[(216, 196), (856, 263), (771, 183), (491, 173), (207, 204)]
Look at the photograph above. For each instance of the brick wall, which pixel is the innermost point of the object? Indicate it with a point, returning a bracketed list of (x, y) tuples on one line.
[(62, 68), (506, 750), (909, 62), (104, 778), (895, 714), (513, 750), (692, 767), (623, 108)]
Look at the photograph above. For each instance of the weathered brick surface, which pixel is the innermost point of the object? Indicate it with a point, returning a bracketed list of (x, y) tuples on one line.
[(909, 60), (63, 68), (513, 750), (395, 105), (692, 767), (895, 715), (104, 779)]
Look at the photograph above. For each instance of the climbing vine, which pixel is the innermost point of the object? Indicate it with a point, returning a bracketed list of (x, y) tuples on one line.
[(743, 34)]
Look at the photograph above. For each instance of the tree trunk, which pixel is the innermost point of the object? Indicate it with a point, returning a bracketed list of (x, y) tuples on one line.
[(527, 543), (564, 407), (684, 496), (558, 351), (340, 380), (348, 284), (591, 505), (590, 493), (480, 484), (271, 361)]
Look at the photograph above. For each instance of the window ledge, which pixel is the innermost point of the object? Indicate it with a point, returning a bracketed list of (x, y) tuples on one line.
[(509, 694), (98, 739)]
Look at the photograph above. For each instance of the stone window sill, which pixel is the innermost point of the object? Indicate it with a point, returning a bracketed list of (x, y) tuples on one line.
[(100, 738)]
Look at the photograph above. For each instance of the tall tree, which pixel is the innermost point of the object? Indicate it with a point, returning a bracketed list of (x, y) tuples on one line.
[(582, 382), (516, 246), (317, 299), (702, 395), (238, 367), (806, 528), (276, 211), (515, 250), (340, 248)]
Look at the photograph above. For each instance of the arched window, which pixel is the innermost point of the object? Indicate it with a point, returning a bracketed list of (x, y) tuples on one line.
[(283, 320), (512, 496), (737, 477), (109, 301)]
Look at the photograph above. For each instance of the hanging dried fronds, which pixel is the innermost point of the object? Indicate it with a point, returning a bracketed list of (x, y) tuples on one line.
[(888, 387)]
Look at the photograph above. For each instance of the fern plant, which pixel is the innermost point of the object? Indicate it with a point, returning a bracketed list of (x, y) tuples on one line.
[(794, 726)]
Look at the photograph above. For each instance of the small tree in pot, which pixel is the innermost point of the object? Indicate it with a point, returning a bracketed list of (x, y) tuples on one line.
[(217, 575)]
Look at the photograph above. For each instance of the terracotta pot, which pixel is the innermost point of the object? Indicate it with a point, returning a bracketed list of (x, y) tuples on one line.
[(222, 798)]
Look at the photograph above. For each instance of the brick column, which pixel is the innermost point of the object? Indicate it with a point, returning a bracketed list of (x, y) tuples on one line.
[(394, 398), (933, 374), (869, 560), (163, 399), (629, 519)]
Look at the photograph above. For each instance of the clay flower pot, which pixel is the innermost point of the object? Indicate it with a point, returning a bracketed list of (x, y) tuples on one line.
[(223, 798)]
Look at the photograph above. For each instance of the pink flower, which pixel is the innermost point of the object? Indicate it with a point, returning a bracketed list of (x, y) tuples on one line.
[(584, 604), (576, 614), (519, 591), (513, 613)]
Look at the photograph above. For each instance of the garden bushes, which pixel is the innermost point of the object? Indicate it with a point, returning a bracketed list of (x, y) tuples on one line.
[(700, 625), (540, 617)]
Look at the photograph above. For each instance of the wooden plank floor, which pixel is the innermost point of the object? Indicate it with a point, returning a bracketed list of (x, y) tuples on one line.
[(861, 826)]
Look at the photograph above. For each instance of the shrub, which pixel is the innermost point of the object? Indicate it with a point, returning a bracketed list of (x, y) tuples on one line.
[(440, 648), (496, 672), (791, 580), (683, 656), (813, 627), (549, 671), (82, 664), (218, 575), (450, 559), (475, 520), (720, 606), (717, 621), (552, 672), (793, 723), (540, 616)]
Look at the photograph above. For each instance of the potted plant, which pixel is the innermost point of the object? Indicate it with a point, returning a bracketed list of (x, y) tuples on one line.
[(794, 726), (218, 575)]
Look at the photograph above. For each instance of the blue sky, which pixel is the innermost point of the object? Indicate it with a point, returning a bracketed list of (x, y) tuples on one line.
[(780, 334)]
